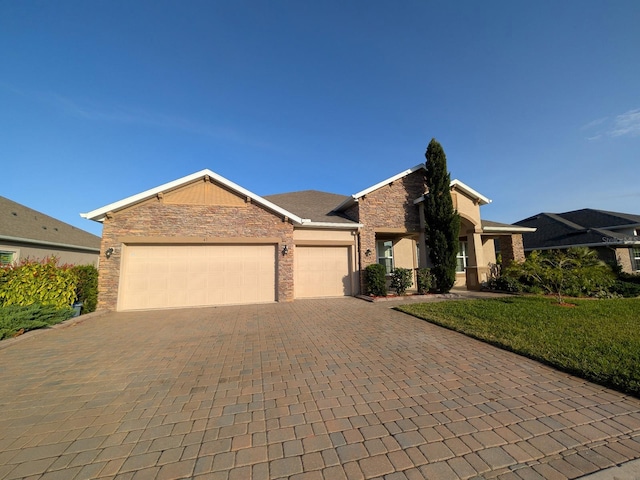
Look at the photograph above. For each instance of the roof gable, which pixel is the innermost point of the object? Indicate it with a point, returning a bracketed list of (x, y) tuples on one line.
[(356, 196), (100, 214)]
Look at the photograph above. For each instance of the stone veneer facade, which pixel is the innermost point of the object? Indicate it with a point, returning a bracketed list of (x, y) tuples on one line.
[(511, 248), (153, 219), (389, 209)]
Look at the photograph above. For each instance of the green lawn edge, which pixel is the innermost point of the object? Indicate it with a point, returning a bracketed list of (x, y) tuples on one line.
[(597, 340)]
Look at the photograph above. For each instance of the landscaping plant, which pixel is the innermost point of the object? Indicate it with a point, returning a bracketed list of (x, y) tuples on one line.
[(574, 272), (442, 220), (16, 320), (401, 280), (375, 276), (86, 286), (424, 280), (30, 282)]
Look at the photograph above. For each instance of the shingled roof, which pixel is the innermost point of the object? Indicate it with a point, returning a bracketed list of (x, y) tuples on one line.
[(20, 223), (312, 204), (585, 227)]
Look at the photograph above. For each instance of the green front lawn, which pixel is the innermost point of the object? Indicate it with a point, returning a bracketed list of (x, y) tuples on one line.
[(598, 340)]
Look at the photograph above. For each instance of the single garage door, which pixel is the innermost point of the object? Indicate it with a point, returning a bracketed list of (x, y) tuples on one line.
[(169, 276), (322, 271)]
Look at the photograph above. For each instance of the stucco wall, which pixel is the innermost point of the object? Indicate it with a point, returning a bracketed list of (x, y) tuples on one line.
[(323, 235), (201, 223), (68, 256), (466, 207)]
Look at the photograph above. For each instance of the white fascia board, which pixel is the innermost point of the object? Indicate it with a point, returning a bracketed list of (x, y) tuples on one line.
[(100, 214), (388, 181), (354, 198), (514, 229), (466, 189), (470, 191), (345, 226)]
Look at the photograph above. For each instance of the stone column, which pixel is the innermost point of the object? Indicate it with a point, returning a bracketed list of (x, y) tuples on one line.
[(511, 249)]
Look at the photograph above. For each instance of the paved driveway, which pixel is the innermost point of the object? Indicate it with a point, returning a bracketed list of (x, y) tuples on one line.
[(318, 389)]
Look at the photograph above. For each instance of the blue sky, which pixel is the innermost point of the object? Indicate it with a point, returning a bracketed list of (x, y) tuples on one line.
[(537, 104)]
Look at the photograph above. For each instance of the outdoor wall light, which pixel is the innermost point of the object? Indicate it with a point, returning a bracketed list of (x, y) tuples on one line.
[(285, 250), (367, 252), (108, 252)]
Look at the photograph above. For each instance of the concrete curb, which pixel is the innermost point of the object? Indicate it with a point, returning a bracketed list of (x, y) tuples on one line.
[(34, 333), (625, 471)]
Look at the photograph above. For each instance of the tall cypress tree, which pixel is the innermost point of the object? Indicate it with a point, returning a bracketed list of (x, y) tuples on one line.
[(443, 221)]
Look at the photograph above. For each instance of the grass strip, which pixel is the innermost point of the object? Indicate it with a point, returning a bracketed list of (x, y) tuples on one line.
[(598, 340)]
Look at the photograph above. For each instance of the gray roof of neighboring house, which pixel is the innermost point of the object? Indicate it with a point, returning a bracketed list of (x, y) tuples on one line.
[(586, 227), (489, 226), (18, 222), (312, 204)]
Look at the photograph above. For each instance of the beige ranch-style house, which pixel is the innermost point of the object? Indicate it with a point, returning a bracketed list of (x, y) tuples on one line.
[(203, 240)]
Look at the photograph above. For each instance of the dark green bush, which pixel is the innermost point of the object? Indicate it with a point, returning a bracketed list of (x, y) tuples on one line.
[(375, 276), (505, 284), (15, 319), (86, 286), (401, 280), (629, 277), (626, 289), (425, 280), (575, 272)]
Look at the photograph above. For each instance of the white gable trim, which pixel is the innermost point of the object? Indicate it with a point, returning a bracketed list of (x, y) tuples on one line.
[(470, 191), (482, 200), (508, 229), (356, 196), (100, 214)]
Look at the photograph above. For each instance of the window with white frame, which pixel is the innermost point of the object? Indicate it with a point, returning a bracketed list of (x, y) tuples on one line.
[(384, 251), (6, 257), (462, 257), (635, 254)]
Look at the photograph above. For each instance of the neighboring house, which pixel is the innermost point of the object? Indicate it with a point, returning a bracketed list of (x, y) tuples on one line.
[(615, 236), (26, 233), (204, 240)]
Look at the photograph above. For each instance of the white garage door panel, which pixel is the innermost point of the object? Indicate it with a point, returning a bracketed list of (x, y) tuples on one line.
[(322, 272), (169, 276)]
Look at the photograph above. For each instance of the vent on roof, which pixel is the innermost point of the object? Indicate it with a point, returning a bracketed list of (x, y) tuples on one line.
[(44, 228), (15, 214)]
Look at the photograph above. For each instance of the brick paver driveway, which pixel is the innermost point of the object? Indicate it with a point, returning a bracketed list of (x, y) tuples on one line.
[(318, 389)]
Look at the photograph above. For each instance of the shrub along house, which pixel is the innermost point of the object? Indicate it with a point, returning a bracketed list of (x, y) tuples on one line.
[(204, 240)]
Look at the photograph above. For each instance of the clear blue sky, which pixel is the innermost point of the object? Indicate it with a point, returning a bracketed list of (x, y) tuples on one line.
[(537, 104)]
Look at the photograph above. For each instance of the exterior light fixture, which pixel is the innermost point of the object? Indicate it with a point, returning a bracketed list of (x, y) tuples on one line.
[(108, 252), (368, 252), (285, 250)]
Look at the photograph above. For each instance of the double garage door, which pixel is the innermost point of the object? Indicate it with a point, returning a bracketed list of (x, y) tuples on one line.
[(172, 276)]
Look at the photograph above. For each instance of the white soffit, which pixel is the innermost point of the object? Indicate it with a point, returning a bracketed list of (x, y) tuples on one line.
[(100, 214)]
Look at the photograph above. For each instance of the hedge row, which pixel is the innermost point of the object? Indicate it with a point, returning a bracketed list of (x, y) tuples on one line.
[(47, 283)]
